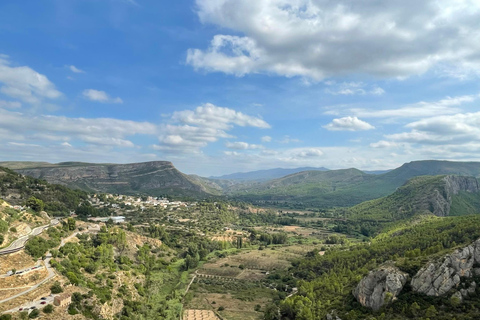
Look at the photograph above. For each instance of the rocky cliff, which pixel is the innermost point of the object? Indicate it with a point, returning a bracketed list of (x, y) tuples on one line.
[(380, 286), (439, 277), (449, 275), (156, 177)]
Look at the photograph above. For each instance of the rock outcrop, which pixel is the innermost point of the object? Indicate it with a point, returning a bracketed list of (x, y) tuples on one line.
[(441, 200), (437, 278), (380, 286)]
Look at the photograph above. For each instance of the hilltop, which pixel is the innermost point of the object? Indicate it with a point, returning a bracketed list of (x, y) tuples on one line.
[(156, 177), (265, 175), (343, 188), (438, 195)]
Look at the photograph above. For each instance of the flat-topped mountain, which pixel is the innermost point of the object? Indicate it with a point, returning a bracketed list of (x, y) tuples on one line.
[(156, 177)]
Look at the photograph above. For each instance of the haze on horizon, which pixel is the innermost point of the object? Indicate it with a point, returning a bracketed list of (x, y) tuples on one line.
[(222, 86)]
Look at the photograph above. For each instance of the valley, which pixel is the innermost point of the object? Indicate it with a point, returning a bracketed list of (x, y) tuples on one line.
[(219, 257)]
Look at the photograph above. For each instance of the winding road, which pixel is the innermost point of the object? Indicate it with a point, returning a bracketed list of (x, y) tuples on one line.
[(19, 244)]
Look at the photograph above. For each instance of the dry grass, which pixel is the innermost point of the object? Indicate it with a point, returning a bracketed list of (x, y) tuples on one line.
[(234, 308), (195, 314), (18, 260)]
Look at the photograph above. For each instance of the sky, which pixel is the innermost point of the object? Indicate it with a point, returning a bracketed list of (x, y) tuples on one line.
[(223, 86)]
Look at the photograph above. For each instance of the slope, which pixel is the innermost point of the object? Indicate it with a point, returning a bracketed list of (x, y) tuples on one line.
[(264, 175), (438, 195), (337, 188), (153, 178), (314, 188)]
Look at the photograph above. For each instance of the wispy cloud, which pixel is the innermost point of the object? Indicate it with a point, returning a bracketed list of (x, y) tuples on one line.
[(100, 96), (75, 69), (25, 83)]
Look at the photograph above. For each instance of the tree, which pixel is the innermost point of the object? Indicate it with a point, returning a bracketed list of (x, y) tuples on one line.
[(56, 288), (34, 314), (71, 224), (431, 312), (35, 204), (48, 309)]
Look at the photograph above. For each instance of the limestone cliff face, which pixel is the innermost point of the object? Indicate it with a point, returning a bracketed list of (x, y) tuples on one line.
[(436, 194), (156, 176), (441, 202), (437, 278), (380, 286)]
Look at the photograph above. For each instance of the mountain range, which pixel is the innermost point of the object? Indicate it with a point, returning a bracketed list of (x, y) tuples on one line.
[(314, 187)]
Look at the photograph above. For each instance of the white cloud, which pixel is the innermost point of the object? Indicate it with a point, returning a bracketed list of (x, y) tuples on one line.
[(217, 117), (266, 139), (75, 69), (242, 145), (93, 131), (456, 130), (383, 144), (352, 88), (446, 106), (10, 104), (25, 83), (100, 96), (318, 39), (195, 129), (286, 140), (348, 124)]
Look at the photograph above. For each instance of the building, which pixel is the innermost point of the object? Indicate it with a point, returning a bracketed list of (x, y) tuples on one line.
[(62, 300), (117, 219)]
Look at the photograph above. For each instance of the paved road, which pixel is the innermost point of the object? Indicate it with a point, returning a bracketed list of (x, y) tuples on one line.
[(51, 273), (18, 244)]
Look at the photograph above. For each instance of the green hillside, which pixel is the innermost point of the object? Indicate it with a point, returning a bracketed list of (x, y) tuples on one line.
[(344, 188), (57, 199), (328, 280)]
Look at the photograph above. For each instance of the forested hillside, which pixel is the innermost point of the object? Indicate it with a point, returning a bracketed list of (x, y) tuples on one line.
[(328, 280), (55, 199)]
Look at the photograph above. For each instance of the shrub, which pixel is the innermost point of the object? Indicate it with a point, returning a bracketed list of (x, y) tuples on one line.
[(35, 313), (56, 288), (221, 308), (48, 309)]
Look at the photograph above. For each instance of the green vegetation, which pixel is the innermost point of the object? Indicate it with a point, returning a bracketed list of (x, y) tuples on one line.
[(38, 194), (329, 280)]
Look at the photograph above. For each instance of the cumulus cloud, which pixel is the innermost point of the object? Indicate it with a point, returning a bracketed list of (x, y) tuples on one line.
[(25, 83), (194, 129), (457, 129), (242, 145), (348, 124), (75, 69), (318, 39), (217, 117), (100, 96)]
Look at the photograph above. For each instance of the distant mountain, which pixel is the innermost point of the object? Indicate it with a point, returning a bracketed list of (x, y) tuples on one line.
[(310, 188), (154, 178), (264, 175), (438, 195), (343, 188)]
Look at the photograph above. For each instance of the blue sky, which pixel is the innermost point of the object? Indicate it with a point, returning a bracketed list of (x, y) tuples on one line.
[(220, 86)]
